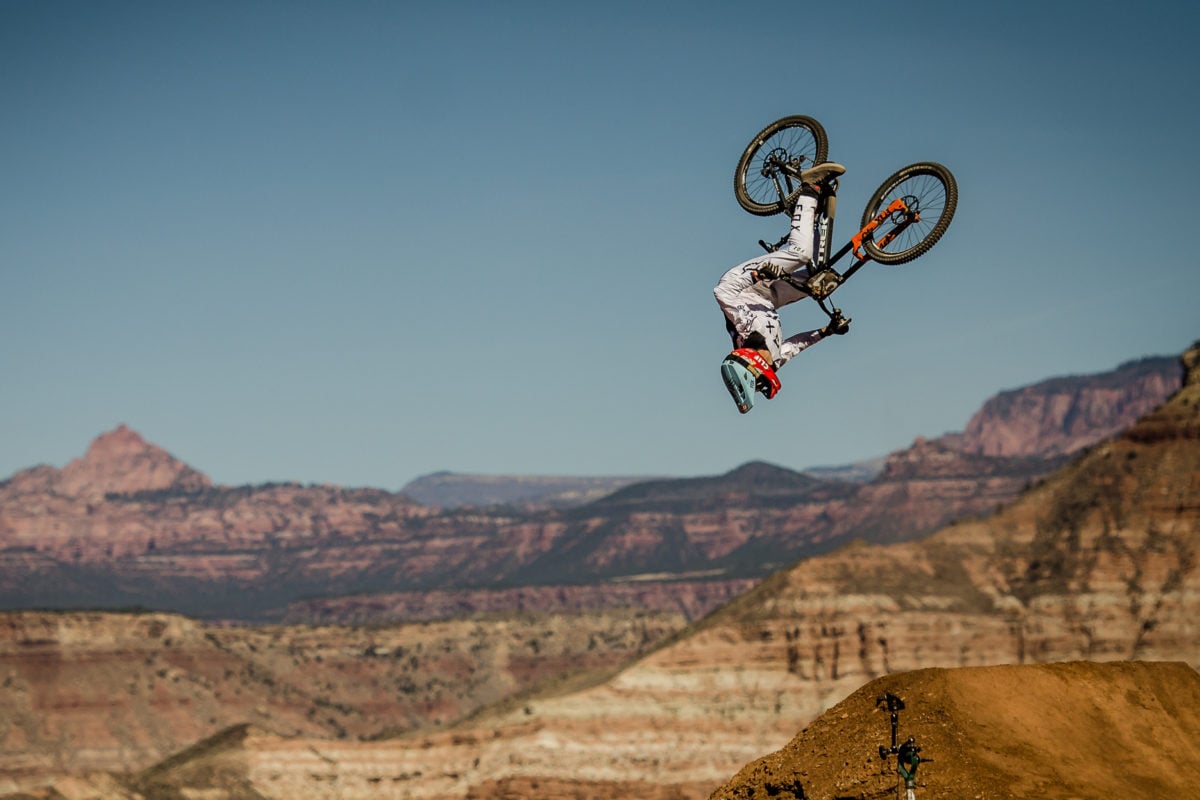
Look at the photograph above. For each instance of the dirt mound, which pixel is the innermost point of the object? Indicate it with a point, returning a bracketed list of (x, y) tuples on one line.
[(1067, 731)]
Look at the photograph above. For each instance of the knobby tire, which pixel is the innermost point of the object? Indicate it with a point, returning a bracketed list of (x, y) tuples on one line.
[(792, 138), (933, 188)]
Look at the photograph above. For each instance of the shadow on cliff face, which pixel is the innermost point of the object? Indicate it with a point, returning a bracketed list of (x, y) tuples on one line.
[(1052, 731)]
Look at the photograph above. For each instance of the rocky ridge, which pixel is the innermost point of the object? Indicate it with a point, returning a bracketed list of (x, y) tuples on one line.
[(129, 525), (1098, 562), (527, 492), (1064, 415)]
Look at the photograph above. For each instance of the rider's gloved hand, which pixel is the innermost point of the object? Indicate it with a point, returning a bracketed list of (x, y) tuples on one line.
[(838, 325), (768, 271)]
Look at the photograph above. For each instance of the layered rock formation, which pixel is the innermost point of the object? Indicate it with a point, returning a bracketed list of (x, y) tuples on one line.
[(690, 599), (1098, 562), (90, 691), (1065, 415), (129, 525)]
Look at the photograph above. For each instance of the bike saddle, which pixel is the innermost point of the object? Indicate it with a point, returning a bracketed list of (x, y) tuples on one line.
[(821, 173)]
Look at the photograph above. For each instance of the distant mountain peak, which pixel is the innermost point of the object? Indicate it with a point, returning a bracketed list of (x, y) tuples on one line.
[(121, 440), (762, 470), (121, 462)]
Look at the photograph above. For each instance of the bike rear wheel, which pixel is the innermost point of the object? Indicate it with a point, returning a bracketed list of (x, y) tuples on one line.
[(929, 189), (764, 183)]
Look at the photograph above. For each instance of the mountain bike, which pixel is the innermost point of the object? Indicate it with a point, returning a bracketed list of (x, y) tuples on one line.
[(905, 217)]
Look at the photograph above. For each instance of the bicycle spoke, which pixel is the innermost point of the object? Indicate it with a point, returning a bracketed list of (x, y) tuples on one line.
[(796, 146), (767, 171), (928, 195)]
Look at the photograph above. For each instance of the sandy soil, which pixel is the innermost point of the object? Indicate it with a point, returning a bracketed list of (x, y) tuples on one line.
[(1050, 731)]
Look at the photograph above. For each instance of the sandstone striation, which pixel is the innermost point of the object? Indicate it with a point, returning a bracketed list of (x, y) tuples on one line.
[(690, 599), (90, 691)]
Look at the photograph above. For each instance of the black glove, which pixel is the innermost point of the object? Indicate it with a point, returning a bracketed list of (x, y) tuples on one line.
[(769, 271), (838, 325)]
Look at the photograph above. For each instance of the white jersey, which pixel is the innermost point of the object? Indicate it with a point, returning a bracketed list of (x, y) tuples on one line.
[(751, 306)]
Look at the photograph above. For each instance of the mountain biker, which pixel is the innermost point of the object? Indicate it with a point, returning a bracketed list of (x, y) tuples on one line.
[(751, 294)]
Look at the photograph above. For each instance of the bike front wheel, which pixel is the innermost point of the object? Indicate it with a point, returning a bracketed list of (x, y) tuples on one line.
[(765, 181), (928, 190)]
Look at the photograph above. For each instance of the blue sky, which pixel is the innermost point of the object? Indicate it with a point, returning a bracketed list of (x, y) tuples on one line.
[(357, 242)]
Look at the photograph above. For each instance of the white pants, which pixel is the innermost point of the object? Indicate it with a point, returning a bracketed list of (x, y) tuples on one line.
[(752, 308)]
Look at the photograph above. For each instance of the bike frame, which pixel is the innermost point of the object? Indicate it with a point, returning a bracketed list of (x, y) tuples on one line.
[(822, 278)]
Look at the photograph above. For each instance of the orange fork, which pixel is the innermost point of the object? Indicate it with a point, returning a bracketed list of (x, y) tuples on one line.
[(897, 205)]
